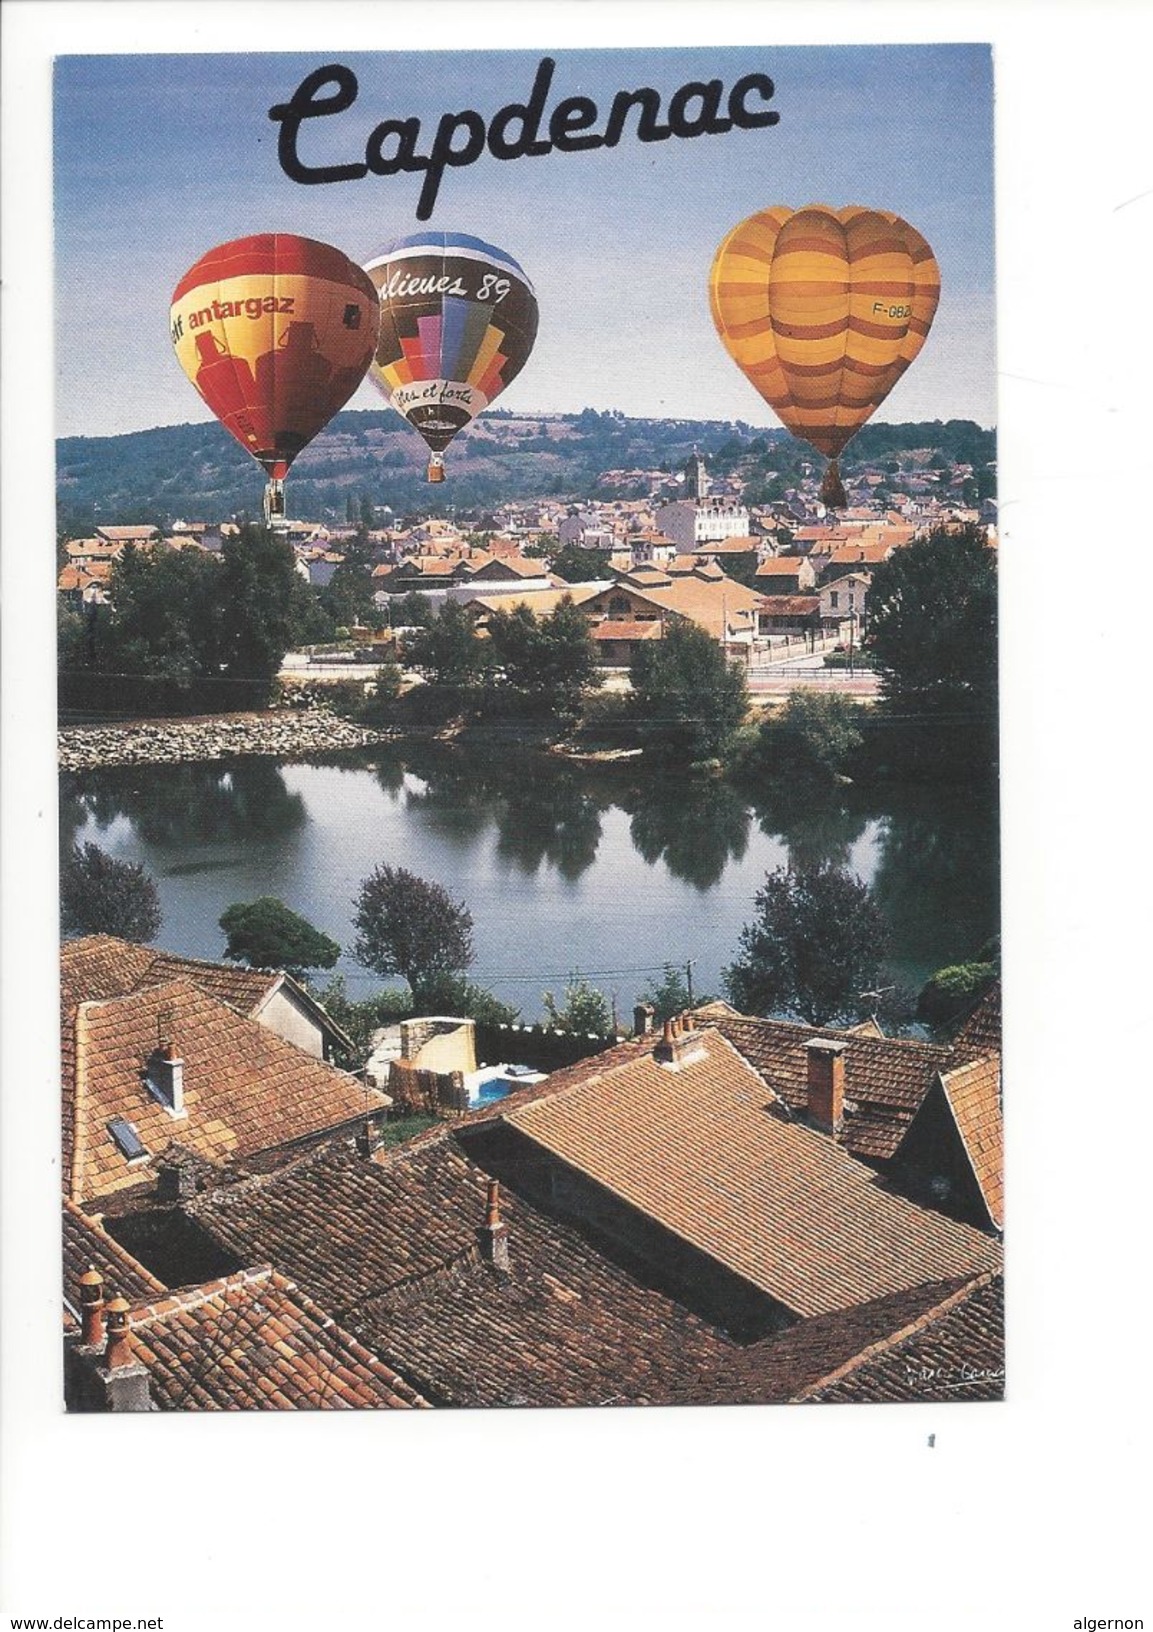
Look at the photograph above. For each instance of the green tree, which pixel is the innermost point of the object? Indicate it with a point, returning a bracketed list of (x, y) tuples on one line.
[(933, 625), (263, 605), (102, 896), (576, 565), (688, 695), (816, 948), (411, 611), (265, 934), (814, 735), (448, 652), (411, 927), (949, 995), (457, 995), (583, 1009), (554, 657), (669, 995)]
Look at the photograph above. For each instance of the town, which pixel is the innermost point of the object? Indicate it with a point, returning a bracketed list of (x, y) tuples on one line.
[(785, 1199)]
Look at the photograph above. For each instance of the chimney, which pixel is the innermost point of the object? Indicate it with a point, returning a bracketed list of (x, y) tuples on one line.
[(165, 1077), (643, 1016), (826, 1083), (175, 1178), (492, 1236), (368, 1139), (123, 1379), (92, 1308), (680, 1044)]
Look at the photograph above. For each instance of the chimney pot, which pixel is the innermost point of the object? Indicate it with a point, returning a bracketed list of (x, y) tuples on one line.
[(165, 1078), (643, 1016), (826, 1083), (92, 1307), (119, 1350), (492, 1236)]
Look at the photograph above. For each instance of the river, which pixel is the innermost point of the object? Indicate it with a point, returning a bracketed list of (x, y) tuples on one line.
[(609, 871)]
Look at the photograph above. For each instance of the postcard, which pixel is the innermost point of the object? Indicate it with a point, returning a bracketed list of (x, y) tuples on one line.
[(528, 635)]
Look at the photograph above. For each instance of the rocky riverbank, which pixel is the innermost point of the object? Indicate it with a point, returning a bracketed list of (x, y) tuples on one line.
[(176, 741)]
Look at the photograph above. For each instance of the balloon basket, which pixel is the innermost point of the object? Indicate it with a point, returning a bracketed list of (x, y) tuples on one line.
[(436, 470), (833, 495), (274, 511)]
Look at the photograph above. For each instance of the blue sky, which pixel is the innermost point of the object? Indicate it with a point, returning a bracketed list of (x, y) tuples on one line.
[(157, 158)]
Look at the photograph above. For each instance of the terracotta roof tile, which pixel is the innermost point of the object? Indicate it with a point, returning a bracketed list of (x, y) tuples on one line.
[(886, 1078), (244, 1088), (787, 1209), (974, 1094), (253, 1341), (957, 1354), (87, 1244)]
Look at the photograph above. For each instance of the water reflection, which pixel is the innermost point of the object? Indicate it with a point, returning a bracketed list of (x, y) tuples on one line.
[(493, 827), (173, 806), (695, 827), (816, 826)]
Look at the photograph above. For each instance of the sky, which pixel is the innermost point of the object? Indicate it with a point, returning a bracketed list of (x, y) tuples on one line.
[(159, 158)]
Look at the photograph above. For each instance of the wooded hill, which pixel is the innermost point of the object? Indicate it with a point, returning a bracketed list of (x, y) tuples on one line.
[(198, 473)]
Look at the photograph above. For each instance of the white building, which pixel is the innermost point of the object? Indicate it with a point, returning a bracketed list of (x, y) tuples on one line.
[(690, 522)]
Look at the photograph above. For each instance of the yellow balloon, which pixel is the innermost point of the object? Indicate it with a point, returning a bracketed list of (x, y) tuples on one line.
[(824, 310)]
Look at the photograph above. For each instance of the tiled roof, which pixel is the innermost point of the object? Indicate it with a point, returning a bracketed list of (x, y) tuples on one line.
[(253, 1341), (625, 629), (785, 1208), (816, 1353), (244, 1088), (390, 1247), (974, 1094), (886, 1079), (87, 1245), (957, 1353), (981, 1033), (789, 606), (101, 966)]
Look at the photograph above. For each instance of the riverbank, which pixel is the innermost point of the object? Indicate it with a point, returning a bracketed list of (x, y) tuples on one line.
[(180, 741)]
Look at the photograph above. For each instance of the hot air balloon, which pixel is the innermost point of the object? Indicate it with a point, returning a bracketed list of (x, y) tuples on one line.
[(824, 310), (276, 333), (457, 323)]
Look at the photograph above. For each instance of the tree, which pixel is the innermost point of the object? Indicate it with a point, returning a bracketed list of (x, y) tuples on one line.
[(669, 995), (410, 927), (585, 1010), (448, 652), (815, 949), (102, 896), (362, 1018), (264, 605), (950, 994), (815, 735), (457, 995), (688, 695), (577, 565), (554, 657), (933, 625), (265, 934)]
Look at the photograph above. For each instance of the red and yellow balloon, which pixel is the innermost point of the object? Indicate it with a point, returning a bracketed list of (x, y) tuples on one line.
[(275, 332)]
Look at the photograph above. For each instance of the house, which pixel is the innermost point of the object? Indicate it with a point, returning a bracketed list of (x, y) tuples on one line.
[(725, 609), (99, 966), (250, 1340), (84, 585), (169, 1073), (636, 1229), (926, 1115), (691, 522), (789, 615), (786, 575), (844, 599)]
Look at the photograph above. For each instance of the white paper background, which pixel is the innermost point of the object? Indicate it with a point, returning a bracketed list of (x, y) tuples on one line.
[(1026, 1515)]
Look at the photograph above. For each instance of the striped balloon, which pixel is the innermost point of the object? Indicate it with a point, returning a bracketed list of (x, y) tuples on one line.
[(824, 310), (458, 318)]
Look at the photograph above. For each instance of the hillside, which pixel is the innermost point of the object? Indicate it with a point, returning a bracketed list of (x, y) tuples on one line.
[(199, 473)]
